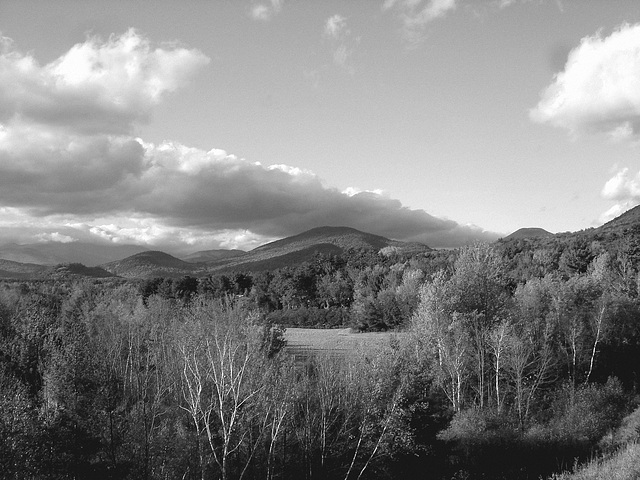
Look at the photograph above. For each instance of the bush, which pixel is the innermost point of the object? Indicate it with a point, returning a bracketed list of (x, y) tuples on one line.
[(627, 432), (474, 428), (587, 414)]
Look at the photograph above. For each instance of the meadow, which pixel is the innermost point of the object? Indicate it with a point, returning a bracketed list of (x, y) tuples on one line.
[(303, 342)]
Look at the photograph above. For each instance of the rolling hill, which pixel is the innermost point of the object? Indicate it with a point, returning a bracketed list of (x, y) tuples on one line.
[(54, 253), (286, 252), (212, 256), (629, 219), (67, 270), (342, 237), (17, 270), (151, 264), (299, 248), (35, 260), (531, 232)]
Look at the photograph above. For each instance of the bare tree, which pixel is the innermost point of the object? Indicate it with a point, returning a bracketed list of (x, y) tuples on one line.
[(498, 339), (438, 331)]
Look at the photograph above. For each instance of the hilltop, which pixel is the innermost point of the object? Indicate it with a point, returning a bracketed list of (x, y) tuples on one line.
[(151, 264), (36, 260), (212, 256), (629, 219), (17, 270), (288, 251), (531, 232), (344, 238)]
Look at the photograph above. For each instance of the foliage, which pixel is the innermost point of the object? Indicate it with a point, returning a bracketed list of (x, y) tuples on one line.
[(504, 367)]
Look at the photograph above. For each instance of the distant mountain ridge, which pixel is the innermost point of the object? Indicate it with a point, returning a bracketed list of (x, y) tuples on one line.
[(36, 260), (285, 252), (55, 253), (344, 238), (17, 270), (206, 256), (529, 232), (151, 264)]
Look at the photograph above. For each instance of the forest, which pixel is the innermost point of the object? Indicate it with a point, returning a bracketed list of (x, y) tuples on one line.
[(513, 360)]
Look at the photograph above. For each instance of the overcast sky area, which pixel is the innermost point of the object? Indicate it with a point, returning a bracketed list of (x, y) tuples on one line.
[(201, 124)]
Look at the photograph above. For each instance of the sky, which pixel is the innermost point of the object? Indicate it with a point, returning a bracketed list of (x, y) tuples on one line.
[(202, 124)]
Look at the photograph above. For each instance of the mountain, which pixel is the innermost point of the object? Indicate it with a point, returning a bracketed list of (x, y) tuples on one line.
[(151, 264), (629, 219), (76, 270), (286, 252), (16, 270), (299, 248), (532, 232), (344, 238), (208, 256), (54, 253)]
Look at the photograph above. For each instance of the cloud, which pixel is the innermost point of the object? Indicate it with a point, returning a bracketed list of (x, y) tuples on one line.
[(335, 26), (624, 190), (62, 180), (263, 12), (51, 172), (415, 15), (505, 3), (621, 187), (55, 237), (275, 201), (599, 89), (342, 42), (183, 191), (96, 86)]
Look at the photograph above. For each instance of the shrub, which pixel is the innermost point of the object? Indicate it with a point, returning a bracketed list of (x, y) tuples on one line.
[(627, 432), (474, 428), (588, 413)]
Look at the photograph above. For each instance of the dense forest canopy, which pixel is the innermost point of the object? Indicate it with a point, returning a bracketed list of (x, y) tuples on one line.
[(515, 358)]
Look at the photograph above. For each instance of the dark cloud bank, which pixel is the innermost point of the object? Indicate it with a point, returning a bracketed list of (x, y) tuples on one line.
[(67, 150)]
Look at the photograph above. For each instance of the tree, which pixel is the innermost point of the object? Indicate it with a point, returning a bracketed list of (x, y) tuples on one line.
[(479, 293), (440, 332), (531, 351), (222, 381)]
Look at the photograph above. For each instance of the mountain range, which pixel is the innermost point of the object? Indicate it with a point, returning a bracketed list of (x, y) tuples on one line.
[(131, 261), (54, 253), (50, 260)]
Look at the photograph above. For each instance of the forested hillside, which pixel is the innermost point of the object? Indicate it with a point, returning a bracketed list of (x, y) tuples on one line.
[(516, 360)]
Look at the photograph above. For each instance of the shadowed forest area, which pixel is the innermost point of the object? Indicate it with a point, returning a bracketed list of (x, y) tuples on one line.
[(518, 359)]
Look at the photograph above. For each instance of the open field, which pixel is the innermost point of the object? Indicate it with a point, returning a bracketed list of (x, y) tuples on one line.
[(303, 342)]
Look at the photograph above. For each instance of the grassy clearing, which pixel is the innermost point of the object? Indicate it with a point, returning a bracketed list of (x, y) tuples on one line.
[(623, 465), (303, 342)]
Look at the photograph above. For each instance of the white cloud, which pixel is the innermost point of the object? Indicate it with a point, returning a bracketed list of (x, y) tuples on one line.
[(96, 86), (343, 43), (624, 190), (340, 55), (599, 88), (55, 237), (70, 167), (415, 15), (615, 211), (351, 191), (293, 171), (265, 11), (505, 3), (335, 26), (621, 187), (175, 189)]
